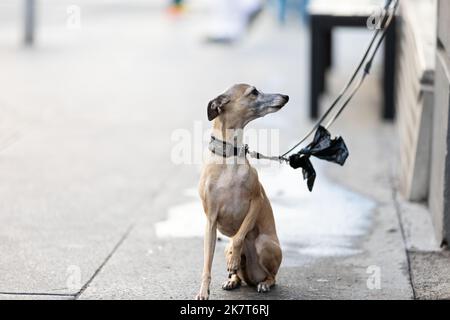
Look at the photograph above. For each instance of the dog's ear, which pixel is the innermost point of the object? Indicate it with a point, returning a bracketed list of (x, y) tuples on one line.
[(215, 106)]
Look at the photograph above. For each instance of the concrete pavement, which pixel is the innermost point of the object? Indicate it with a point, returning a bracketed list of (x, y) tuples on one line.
[(89, 189)]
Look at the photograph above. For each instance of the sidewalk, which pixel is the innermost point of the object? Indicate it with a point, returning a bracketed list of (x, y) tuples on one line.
[(91, 207)]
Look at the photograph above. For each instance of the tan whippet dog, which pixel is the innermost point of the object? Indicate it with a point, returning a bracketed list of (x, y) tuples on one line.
[(233, 199)]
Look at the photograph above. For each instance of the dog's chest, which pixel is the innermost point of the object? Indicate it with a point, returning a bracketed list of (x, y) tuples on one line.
[(232, 192), (233, 177)]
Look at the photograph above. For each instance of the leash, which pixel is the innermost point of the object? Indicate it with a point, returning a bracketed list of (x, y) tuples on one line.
[(388, 15)]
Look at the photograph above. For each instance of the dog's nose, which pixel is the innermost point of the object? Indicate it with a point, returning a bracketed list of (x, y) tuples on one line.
[(285, 97)]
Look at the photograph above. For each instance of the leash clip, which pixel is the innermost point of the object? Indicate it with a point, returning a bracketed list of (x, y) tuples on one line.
[(283, 159)]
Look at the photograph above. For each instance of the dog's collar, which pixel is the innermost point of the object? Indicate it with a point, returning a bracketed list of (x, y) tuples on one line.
[(226, 149)]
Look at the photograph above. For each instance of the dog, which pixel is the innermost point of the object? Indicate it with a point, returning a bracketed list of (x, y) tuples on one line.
[(233, 199)]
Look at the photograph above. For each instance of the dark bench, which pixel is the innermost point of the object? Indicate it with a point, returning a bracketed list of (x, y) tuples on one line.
[(326, 15)]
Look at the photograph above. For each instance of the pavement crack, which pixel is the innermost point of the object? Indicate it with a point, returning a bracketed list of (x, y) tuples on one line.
[(154, 195), (5, 143), (108, 257), (37, 294), (403, 233)]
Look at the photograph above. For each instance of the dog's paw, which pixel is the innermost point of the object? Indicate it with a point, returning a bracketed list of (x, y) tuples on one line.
[(263, 287), (231, 284), (202, 295)]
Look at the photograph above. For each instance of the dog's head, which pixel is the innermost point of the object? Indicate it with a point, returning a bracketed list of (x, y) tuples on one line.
[(243, 103)]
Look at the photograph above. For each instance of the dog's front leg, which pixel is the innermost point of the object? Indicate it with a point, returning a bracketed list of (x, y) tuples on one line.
[(209, 247), (238, 240)]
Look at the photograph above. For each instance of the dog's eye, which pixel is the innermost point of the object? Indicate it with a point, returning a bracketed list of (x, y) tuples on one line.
[(254, 92)]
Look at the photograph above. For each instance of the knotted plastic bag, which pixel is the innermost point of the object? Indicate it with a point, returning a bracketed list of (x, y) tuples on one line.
[(322, 147)]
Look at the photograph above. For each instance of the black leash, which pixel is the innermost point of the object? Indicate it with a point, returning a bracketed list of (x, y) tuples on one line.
[(322, 146), (387, 19)]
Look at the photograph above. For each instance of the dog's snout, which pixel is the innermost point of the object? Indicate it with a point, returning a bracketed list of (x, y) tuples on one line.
[(285, 97)]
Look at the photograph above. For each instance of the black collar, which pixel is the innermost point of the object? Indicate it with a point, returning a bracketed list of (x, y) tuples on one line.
[(226, 149)]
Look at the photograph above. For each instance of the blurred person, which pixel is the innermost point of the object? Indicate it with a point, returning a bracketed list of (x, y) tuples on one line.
[(231, 18), (176, 6), (298, 5)]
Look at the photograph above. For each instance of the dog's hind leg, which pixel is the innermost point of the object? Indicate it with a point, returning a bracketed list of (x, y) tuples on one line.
[(269, 259)]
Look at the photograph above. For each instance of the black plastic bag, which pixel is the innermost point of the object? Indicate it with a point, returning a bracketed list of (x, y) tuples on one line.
[(322, 147)]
